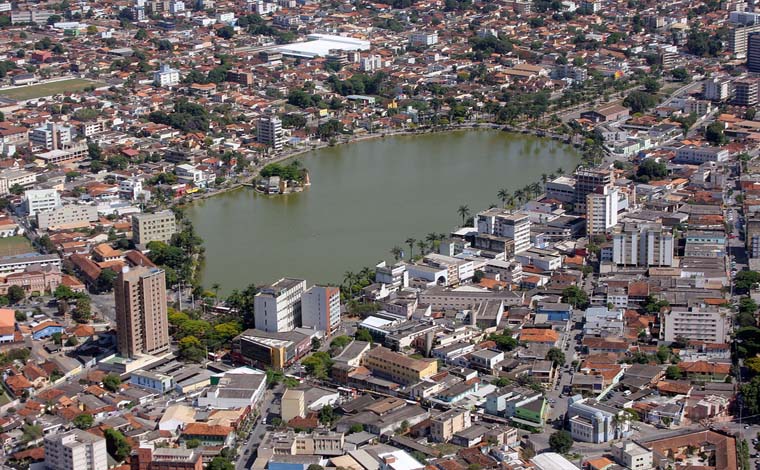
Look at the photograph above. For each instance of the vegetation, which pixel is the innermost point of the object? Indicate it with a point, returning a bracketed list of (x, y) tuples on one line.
[(112, 382), (561, 442), (318, 365), (83, 421), (504, 341), (640, 101), (116, 444), (291, 172), (576, 297)]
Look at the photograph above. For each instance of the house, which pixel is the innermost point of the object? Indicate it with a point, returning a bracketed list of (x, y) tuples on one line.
[(704, 371), (46, 329), (209, 435), (612, 112), (7, 325)]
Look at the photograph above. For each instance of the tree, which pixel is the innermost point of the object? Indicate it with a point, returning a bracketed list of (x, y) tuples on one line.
[(316, 343), (191, 349), (464, 212), (315, 467), (83, 311), (673, 373), (31, 432), (556, 356), (72, 341), (16, 189), (363, 335), (575, 296), (16, 294), (639, 101), (141, 34), (561, 442), (226, 32), (714, 133), (192, 443), (340, 342), (651, 85), (318, 364), (20, 316), (116, 444), (744, 281), (112, 382), (220, 463), (327, 415), (747, 310), (83, 421), (504, 341), (57, 338), (410, 241), (356, 428)]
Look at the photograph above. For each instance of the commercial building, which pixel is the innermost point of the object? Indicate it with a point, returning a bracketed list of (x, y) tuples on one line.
[(753, 52), (552, 461), (166, 76), (269, 350), (643, 245), (745, 92), (269, 132), (292, 405), (561, 188), (37, 200), (601, 210), (11, 178), (716, 89), (589, 181), (72, 215), (158, 227), (21, 263), (34, 15), (398, 367), (234, 390), (51, 136), (146, 457), (423, 39), (445, 425), (320, 308), (277, 308), (699, 155), (591, 421), (502, 223), (75, 450), (141, 317), (632, 455), (695, 323)]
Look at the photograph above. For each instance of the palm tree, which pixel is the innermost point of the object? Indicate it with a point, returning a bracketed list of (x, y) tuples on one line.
[(464, 212), (519, 194), (367, 273), (544, 178), (215, 287), (511, 202), (552, 177), (348, 279), (422, 246), (536, 188), (410, 241), (431, 238), (396, 251), (503, 195), (560, 171)]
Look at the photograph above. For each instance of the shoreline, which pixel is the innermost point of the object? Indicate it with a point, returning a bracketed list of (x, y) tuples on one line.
[(248, 181)]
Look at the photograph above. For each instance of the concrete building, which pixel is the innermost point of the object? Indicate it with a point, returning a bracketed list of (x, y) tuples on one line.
[(445, 425), (601, 210), (423, 39), (292, 405), (398, 367), (38, 200), (166, 76), (72, 215), (589, 181), (159, 227), (269, 350), (51, 136), (591, 421), (141, 317), (745, 92), (146, 457), (320, 308), (21, 263), (11, 178), (643, 245), (561, 188), (632, 455), (753, 52), (738, 39), (277, 307), (699, 155), (269, 132), (695, 323), (75, 450), (502, 223)]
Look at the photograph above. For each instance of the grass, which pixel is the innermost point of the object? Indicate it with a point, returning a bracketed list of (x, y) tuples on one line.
[(15, 246), (4, 398), (47, 89)]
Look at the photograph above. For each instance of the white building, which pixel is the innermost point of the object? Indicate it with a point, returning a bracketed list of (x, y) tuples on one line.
[(72, 215), (499, 222), (422, 38), (131, 188), (51, 136), (38, 200), (643, 245), (166, 76), (552, 461), (320, 308), (269, 132), (602, 210), (277, 308), (75, 450), (189, 174), (716, 89), (632, 455), (695, 323), (699, 155)]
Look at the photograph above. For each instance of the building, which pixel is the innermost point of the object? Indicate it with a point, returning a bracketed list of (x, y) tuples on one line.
[(501, 223), (423, 39), (699, 155), (589, 181), (643, 245), (601, 210), (738, 39), (22, 263), (269, 350), (716, 89), (695, 323), (561, 188), (320, 308), (141, 317), (445, 425), (292, 405), (277, 307), (75, 450), (269, 132), (38, 200), (234, 391), (753, 52), (239, 76), (34, 15), (51, 136), (166, 76), (745, 92), (632, 455), (156, 227), (397, 367), (591, 421), (146, 457), (552, 461), (11, 178), (72, 215)]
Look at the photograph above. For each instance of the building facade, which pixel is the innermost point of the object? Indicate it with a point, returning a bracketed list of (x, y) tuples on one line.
[(643, 245), (141, 316), (38, 200), (320, 308), (695, 323), (277, 307), (159, 227), (75, 450)]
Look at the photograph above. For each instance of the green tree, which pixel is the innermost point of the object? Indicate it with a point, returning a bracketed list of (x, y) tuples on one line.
[(16, 294), (83, 311), (220, 463), (464, 212), (340, 342), (576, 297), (556, 356), (363, 335), (192, 443), (356, 428), (714, 133), (116, 444), (744, 281), (504, 341), (561, 442), (83, 421), (57, 338), (327, 415), (640, 101), (191, 349), (141, 34), (112, 382), (673, 373)]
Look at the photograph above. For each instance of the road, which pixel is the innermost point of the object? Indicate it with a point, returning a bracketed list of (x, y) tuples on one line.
[(247, 454)]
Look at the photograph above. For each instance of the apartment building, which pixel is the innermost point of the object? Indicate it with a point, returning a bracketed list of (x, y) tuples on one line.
[(159, 227), (320, 308), (146, 457), (738, 39), (716, 89), (38, 200), (166, 76), (753, 52), (141, 317), (445, 425), (514, 226), (292, 405), (278, 307), (75, 450), (269, 132), (51, 136), (643, 245), (561, 188), (423, 39), (601, 210), (589, 181), (745, 92), (398, 367), (11, 178), (695, 323), (72, 215), (699, 155)]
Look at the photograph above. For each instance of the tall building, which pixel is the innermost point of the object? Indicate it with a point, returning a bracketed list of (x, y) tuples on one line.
[(269, 132), (292, 405), (694, 323), (738, 38), (643, 245), (320, 308), (752, 237), (745, 92), (159, 226), (51, 136), (716, 89), (502, 223), (601, 210), (39, 200), (141, 318), (753, 52), (166, 76), (75, 450), (589, 181), (277, 307)]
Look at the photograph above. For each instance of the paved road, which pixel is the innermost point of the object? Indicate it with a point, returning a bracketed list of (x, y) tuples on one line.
[(247, 454)]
